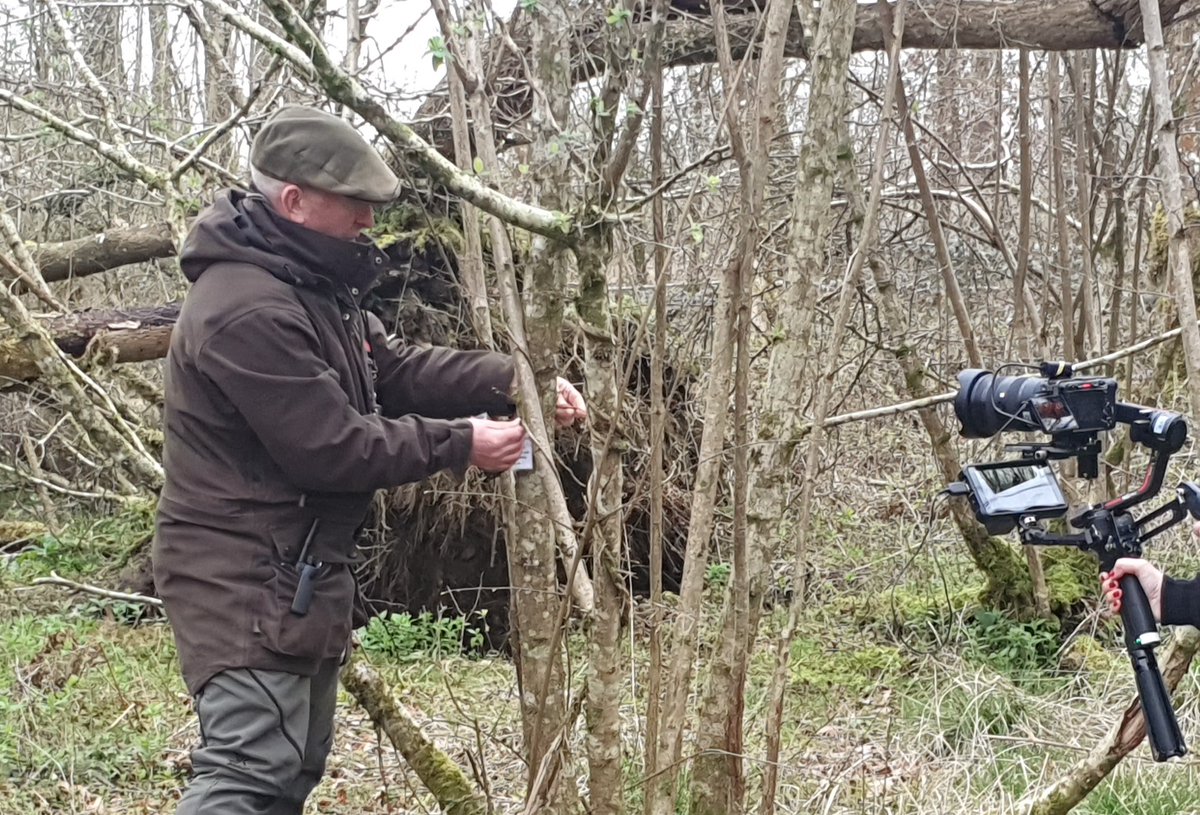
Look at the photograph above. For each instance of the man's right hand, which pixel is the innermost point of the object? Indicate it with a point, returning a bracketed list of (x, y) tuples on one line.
[(1147, 574), (496, 446)]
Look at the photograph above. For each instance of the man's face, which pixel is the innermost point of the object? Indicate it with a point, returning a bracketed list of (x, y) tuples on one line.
[(326, 212)]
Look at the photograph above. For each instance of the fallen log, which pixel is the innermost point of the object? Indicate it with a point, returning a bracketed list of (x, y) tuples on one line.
[(121, 335), (106, 250)]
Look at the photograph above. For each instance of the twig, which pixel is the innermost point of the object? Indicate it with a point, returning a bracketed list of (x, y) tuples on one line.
[(55, 580)]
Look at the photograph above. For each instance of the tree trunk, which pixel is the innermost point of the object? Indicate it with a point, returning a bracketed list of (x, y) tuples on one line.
[(119, 335), (532, 544), (92, 407), (106, 250), (938, 24), (1171, 175), (606, 520)]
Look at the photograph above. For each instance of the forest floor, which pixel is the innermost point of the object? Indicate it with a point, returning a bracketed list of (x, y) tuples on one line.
[(904, 696)]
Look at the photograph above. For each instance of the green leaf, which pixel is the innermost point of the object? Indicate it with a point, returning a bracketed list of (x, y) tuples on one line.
[(529, 5), (523, 169), (697, 233), (478, 165), (437, 49), (554, 148), (618, 15), (633, 109), (714, 183)]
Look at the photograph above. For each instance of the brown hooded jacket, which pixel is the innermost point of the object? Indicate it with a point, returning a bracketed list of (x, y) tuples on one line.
[(286, 408)]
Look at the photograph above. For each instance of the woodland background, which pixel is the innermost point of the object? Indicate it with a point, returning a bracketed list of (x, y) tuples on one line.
[(764, 238)]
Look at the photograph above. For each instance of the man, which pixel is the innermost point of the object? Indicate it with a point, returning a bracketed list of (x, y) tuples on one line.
[(286, 408)]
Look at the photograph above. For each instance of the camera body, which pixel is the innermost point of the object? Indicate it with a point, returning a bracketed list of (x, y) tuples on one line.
[(1071, 411), (1054, 402)]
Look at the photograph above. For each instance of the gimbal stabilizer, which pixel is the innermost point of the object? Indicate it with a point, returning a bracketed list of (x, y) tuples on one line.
[(1018, 494)]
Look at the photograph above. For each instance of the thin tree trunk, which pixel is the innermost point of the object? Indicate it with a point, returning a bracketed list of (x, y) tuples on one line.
[(470, 263), (162, 83), (1041, 593), (945, 265), (658, 424), (1089, 317), (1066, 292), (849, 285), (677, 687), (1171, 175), (606, 785), (718, 781), (532, 547), (1007, 577)]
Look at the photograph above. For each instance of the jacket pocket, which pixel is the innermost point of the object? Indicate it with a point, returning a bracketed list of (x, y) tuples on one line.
[(324, 629)]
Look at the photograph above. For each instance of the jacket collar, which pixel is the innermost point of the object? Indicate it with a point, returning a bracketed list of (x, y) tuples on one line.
[(314, 259)]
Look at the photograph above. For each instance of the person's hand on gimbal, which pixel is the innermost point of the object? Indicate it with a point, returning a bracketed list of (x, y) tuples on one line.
[(1150, 576)]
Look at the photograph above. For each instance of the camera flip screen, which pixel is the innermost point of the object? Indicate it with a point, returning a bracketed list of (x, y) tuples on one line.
[(1053, 414)]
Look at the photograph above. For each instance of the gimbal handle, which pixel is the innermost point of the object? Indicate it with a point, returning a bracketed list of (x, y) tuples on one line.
[(1141, 635)]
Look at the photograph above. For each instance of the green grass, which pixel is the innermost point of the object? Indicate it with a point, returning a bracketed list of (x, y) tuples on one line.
[(902, 695), (1146, 790)]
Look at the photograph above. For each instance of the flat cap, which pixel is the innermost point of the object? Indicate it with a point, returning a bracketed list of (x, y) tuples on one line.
[(309, 147)]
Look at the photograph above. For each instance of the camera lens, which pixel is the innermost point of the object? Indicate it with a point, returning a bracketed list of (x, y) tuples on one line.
[(987, 404)]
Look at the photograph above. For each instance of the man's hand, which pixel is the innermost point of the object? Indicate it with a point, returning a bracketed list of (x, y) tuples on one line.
[(570, 407), (1147, 574), (496, 446)]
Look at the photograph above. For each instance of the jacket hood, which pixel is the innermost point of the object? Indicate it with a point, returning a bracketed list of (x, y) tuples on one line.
[(240, 227)]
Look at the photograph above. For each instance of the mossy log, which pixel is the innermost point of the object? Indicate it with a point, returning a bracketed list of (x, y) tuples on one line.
[(441, 775), (123, 335)]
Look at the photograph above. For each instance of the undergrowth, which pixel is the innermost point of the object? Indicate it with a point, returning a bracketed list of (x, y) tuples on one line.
[(903, 694)]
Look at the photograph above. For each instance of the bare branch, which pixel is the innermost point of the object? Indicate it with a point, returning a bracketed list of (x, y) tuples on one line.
[(346, 90)]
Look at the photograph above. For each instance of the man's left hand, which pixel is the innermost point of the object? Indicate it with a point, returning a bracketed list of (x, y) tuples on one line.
[(570, 407)]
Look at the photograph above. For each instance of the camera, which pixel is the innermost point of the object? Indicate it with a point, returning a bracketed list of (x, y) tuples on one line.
[(1052, 402), (1020, 493)]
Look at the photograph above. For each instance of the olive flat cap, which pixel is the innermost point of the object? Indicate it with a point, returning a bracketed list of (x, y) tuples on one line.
[(309, 147)]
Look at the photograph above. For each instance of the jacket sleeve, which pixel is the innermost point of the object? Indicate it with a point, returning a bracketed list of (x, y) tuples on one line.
[(1181, 601), (268, 364), (442, 383)]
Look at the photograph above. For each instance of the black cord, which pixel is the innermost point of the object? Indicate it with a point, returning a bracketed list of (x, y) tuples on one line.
[(1012, 417)]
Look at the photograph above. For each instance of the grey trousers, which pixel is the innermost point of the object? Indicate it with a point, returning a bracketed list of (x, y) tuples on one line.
[(264, 738)]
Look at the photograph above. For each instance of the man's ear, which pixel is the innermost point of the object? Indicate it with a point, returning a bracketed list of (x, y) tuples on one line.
[(291, 203)]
